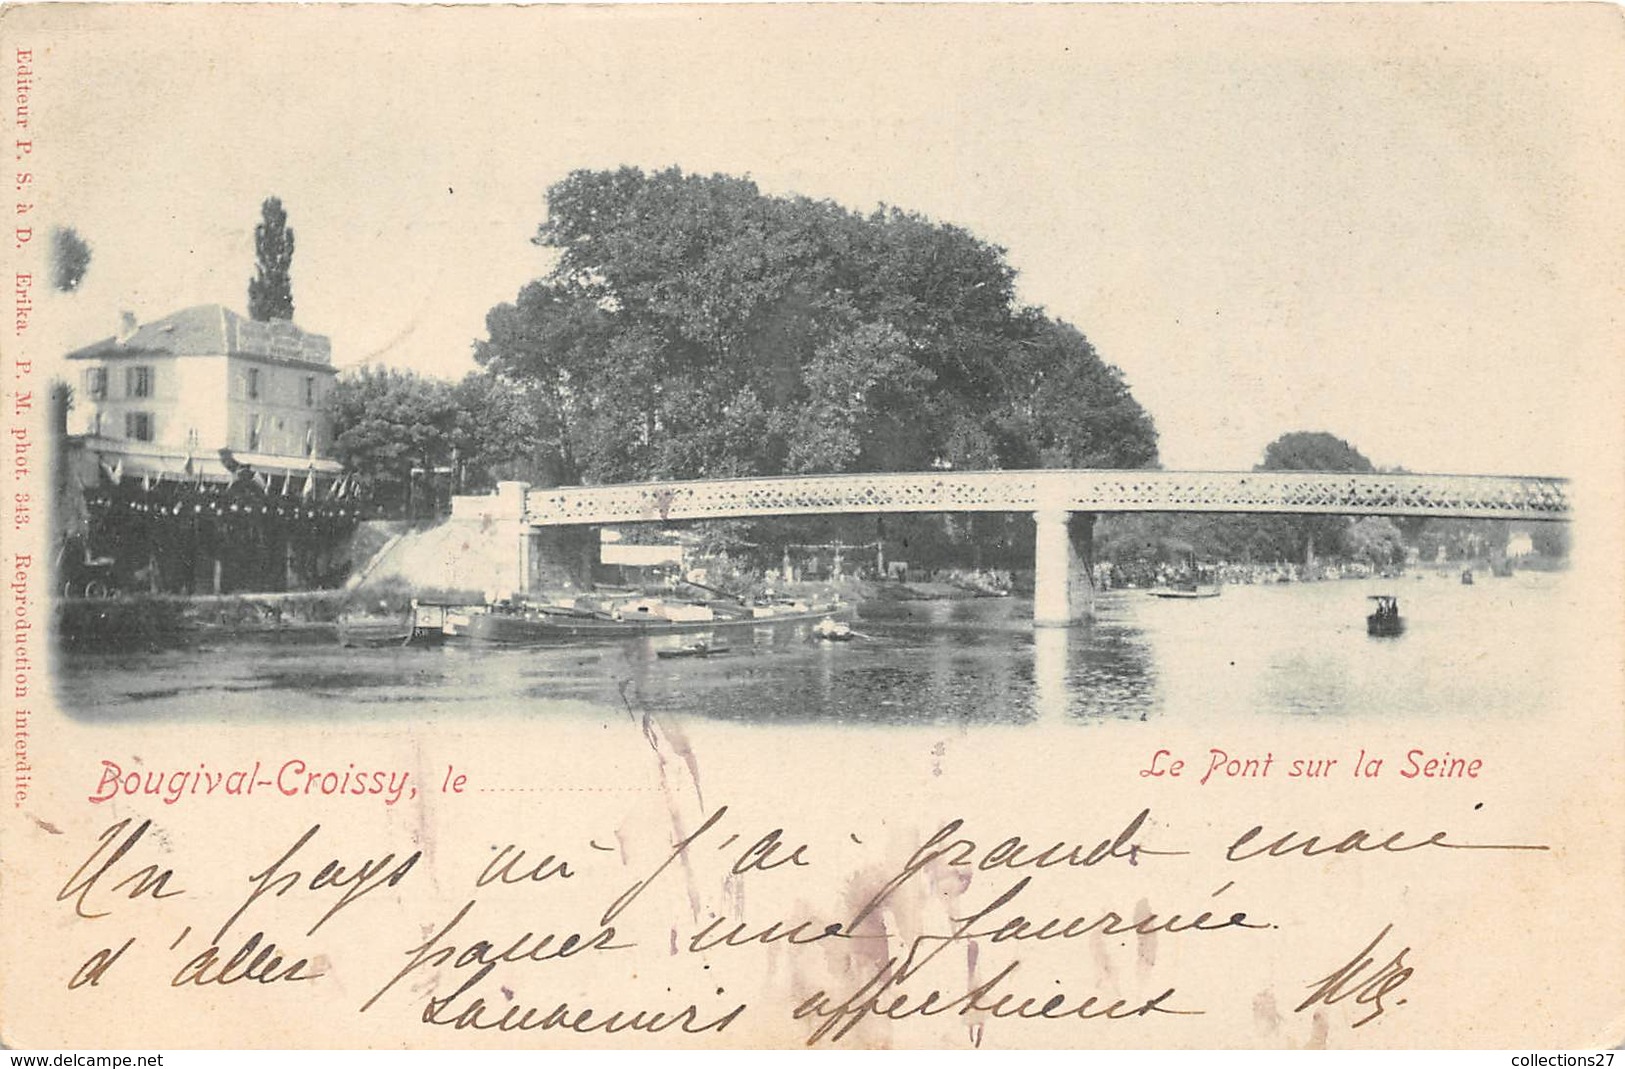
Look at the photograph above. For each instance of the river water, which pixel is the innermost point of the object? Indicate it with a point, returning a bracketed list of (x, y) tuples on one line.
[(1282, 651)]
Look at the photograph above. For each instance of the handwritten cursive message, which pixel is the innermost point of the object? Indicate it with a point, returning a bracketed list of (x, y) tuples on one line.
[(963, 927)]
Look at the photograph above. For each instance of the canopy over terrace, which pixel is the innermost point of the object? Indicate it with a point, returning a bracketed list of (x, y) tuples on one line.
[(150, 518), (90, 460)]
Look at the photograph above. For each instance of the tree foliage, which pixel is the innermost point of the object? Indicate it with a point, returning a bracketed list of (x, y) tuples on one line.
[(1242, 537), (1312, 451), (463, 437), (1173, 538), (694, 327), (270, 292), (70, 259), (1375, 540), (499, 435), (388, 422), (1308, 536)]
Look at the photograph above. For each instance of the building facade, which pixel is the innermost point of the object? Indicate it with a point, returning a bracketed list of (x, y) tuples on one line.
[(196, 458), (204, 380)]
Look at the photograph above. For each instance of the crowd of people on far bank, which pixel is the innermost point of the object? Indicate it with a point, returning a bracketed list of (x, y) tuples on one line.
[(1111, 575)]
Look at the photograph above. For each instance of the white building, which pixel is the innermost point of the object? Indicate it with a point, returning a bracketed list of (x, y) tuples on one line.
[(166, 398)]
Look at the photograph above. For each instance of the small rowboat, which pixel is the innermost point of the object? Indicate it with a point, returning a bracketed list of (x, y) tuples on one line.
[(832, 630), (696, 649), (1385, 622)]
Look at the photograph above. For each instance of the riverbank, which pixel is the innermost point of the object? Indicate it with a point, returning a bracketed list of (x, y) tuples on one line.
[(153, 621)]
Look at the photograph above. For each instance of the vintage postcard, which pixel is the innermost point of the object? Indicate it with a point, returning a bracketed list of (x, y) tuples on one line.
[(846, 526)]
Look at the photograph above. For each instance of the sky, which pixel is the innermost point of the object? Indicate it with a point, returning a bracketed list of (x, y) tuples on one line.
[(1397, 224)]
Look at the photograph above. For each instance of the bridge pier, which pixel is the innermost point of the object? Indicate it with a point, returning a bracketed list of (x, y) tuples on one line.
[(527, 553), (1063, 568)]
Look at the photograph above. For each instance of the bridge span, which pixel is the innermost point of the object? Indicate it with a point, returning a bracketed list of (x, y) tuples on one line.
[(1064, 489), (1063, 502)]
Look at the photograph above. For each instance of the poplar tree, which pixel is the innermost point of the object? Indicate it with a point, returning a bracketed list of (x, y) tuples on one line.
[(270, 293)]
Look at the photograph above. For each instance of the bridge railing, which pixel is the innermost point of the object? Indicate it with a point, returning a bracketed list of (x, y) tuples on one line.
[(1047, 490)]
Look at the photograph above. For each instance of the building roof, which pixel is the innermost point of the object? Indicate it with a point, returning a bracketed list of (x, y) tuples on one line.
[(213, 330)]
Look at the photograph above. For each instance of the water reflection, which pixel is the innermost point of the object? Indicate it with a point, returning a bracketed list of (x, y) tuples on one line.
[(1292, 651), (1052, 693)]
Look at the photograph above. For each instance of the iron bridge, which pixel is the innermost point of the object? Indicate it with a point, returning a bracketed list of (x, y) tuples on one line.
[(1057, 491)]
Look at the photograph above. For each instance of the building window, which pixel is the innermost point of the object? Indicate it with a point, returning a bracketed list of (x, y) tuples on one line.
[(310, 439), (310, 390), (96, 424), (255, 426), (253, 384), (193, 439), (138, 382), (96, 383), (138, 426)]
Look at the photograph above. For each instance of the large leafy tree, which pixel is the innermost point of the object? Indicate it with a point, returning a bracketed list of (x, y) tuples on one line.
[(1060, 405), (694, 327), (270, 291)]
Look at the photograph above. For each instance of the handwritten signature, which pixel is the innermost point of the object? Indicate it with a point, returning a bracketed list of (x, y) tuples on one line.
[(1367, 989)]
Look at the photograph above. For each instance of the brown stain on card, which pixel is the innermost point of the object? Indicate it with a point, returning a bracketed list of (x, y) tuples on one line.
[(1319, 1029), (1266, 1014), (1147, 940), (678, 771)]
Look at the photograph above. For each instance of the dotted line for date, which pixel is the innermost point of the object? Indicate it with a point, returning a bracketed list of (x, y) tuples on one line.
[(586, 790)]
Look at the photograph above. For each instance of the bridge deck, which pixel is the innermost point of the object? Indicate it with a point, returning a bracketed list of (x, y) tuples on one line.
[(1059, 490)]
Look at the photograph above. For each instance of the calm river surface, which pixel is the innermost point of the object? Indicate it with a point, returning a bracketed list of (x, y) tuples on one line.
[(1494, 648)]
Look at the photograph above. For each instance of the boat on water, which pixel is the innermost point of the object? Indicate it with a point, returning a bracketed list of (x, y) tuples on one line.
[(693, 649), (830, 629), (529, 624), (425, 625), (1186, 593), (378, 635), (1385, 621)]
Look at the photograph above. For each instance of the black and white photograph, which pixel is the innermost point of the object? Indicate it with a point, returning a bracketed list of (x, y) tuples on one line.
[(781, 415), (624, 433)]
